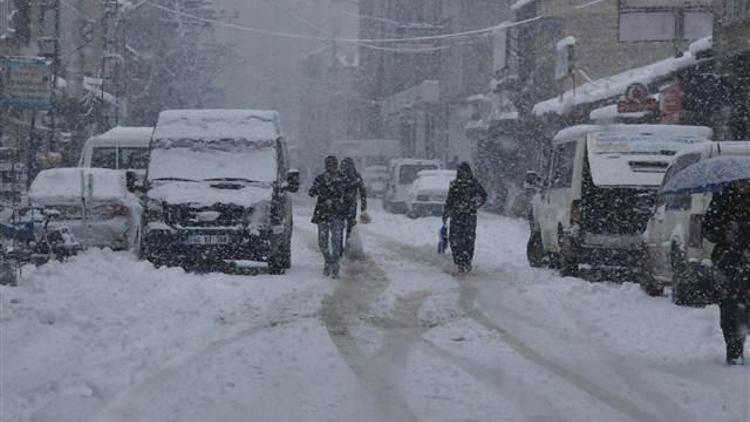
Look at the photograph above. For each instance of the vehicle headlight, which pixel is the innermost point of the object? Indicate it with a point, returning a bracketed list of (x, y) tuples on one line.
[(259, 214)]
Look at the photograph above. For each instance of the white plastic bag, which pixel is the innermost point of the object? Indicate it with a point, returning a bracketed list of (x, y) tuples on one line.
[(354, 249)]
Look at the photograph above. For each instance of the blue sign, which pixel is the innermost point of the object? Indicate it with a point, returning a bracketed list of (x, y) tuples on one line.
[(25, 83)]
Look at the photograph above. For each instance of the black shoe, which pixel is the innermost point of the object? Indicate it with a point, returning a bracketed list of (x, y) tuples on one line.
[(327, 270)]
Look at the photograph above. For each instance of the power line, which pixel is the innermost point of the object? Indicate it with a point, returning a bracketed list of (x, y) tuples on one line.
[(475, 32)]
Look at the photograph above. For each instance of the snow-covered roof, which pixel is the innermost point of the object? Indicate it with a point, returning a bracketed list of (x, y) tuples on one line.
[(122, 132), (677, 130), (65, 184), (616, 85), (218, 124)]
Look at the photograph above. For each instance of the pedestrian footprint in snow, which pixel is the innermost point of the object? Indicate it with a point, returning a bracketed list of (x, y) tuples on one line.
[(465, 196), (329, 215), (354, 192), (727, 224)]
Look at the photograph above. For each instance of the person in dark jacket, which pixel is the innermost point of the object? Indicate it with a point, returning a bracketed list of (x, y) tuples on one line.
[(329, 212), (465, 196), (727, 224), (354, 189)]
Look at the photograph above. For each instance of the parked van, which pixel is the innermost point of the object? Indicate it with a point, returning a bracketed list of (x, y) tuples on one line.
[(599, 193), (402, 172), (216, 190), (120, 148), (676, 252)]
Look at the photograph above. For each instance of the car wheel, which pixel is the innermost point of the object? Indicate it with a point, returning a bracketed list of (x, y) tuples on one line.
[(682, 293), (535, 250), (568, 260), (648, 283)]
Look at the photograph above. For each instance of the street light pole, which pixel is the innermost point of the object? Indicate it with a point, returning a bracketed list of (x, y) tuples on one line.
[(55, 74)]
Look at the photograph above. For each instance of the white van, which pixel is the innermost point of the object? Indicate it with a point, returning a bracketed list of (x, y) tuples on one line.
[(600, 191), (676, 252), (402, 172), (120, 148)]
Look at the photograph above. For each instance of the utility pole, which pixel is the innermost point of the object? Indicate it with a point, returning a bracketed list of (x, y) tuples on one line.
[(52, 134)]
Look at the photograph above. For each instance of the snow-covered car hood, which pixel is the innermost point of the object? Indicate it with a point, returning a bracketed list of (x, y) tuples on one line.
[(205, 194)]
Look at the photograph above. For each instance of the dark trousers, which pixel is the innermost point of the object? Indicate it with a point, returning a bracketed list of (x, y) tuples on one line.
[(463, 234), (734, 325)]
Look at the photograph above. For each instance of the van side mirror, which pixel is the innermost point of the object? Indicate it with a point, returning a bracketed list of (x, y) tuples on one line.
[(532, 180), (292, 181)]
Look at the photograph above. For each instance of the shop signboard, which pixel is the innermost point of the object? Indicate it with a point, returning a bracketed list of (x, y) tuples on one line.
[(25, 83)]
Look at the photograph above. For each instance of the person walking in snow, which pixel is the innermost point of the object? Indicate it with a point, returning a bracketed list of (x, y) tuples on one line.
[(329, 215), (727, 224), (354, 189), (465, 196)]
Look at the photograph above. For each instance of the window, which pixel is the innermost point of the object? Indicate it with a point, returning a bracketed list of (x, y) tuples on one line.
[(563, 165), (647, 26), (104, 158), (408, 174), (664, 24), (133, 158), (677, 202)]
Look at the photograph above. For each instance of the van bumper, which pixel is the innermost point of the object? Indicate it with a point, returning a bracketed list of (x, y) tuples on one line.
[(174, 246), (604, 250)]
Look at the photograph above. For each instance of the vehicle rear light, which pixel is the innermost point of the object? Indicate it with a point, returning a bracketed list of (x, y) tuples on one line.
[(575, 213), (695, 234), (117, 210)]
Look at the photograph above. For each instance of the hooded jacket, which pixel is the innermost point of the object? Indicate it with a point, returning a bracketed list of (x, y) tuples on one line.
[(465, 195)]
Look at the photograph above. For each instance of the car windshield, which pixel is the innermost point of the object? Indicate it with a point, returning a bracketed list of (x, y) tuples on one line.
[(409, 172), (190, 160)]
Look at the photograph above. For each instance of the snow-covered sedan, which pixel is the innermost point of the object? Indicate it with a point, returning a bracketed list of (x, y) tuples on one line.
[(429, 192), (93, 203)]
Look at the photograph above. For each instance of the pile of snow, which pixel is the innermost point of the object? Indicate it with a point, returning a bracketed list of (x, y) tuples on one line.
[(218, 124), (616, 85), (74, 183)]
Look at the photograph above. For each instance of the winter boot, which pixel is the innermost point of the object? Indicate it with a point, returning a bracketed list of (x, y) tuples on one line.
[(335, 271), (327, 270)]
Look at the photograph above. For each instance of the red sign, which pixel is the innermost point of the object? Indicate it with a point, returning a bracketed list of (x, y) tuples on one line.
[(671, 106), (636, 100)]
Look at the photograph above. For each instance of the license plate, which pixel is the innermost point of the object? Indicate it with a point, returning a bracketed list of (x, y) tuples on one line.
[(208, 239)]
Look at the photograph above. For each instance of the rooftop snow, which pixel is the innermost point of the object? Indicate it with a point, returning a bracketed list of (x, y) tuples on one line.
[(617, 84), (122, 132), (65, 184), (217, 124), (580, 130)]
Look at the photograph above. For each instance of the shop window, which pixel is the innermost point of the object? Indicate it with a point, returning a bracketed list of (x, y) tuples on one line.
[(647, 26), (664, 24)]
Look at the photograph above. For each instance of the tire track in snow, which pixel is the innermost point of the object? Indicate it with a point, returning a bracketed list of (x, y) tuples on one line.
[(467, 301), (382, 375)]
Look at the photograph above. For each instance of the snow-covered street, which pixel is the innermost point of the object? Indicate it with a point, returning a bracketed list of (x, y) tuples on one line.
[(400, 337)]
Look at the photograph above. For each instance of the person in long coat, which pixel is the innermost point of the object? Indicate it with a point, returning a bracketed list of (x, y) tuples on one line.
[(727, 224), (354, 191), (465, 196), (329, 188)]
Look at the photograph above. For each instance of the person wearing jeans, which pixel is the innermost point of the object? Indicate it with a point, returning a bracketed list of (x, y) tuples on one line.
[(329, 215)]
